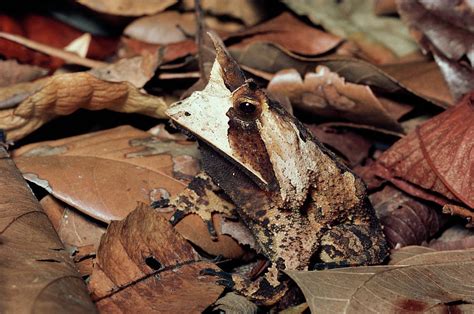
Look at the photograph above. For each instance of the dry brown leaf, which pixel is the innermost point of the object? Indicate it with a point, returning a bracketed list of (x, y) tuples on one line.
[(435, 162), (63, 94), (446, 30), (74, 228), (385, 7), (11, 72), (124, 165), (288, 32), (144, 266), (349, 145), (424, 77), (128, 7), (406, 220), (424, 282), (324, 93), (37, 274)]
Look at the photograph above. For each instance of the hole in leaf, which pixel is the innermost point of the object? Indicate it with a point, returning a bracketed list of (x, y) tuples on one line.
[(153, 263)]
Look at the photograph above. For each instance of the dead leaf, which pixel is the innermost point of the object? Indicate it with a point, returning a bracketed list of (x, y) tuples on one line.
[(37, 273), (430, 281), (349, 145), (382, 7), (434, 162), (445, 29), (74, 228), (142, 263), (289, 33), (456, 237), (128, 7), (269, 58), (424, 77), (356, 20), (324, 93), (406, 220), (234, 303), (63, 94), (112, 161), (11, 72)]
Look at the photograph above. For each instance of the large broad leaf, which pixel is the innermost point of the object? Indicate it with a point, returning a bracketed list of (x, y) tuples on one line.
[(144, 266), (37, 275), (355, 19), (418, 283)]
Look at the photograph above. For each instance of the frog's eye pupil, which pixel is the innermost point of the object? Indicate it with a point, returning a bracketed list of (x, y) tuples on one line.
[(247, 108)]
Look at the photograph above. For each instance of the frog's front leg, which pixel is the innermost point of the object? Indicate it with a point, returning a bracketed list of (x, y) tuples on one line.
[(266, 289), (200, 197), (351, 245)]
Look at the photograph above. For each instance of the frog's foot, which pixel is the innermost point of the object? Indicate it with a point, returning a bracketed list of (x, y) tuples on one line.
[(265, 290), (201, 198), (351, 245)]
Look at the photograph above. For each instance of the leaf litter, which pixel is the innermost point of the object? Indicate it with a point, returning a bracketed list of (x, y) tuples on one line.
[(383, 92)]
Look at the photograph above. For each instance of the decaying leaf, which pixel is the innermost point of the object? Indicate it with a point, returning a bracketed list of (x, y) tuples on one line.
[(148, 168), (234, 303), (421, 283), (324, 93), (406, 220), (37, 274), (356, 20), (435, 162), (142, 263), (289, 33), (11, 72), (63, 94), (111, 161), (128, 7), (446, 30), (74, 228)]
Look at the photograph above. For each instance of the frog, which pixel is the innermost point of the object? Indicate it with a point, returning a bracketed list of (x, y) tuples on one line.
[(305, 208)]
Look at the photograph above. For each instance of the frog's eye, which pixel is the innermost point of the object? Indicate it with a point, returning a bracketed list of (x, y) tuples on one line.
[(247, 108)]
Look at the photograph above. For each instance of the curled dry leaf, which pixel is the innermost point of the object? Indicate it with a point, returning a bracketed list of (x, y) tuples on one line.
[(356, 20), (454, 238), (325, 93), (74, 228), (144, 266), (435, 162), (37, 273), (63, 94), (446, 30), (269, 58), (128, 7), (406, 220), (289, 33), (431, 281), (123, 165), (11, 72)]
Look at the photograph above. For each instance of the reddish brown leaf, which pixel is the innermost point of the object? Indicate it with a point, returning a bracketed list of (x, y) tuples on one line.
[(445, 29), (143, 265), (435, 162), (406, 221), (288, 32), (74, 228), (37, 274)]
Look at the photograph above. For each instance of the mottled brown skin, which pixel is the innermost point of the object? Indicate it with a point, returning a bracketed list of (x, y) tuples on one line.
[(305, 213)]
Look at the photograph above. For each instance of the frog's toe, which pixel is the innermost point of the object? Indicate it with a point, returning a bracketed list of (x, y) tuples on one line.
[(223, 278), (177, 217)]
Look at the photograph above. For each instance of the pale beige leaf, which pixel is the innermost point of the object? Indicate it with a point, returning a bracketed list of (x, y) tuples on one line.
[(128, 7), (65, 93), (421, 282)]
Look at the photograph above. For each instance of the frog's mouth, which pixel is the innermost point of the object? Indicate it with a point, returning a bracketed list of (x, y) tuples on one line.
[(204, 115)]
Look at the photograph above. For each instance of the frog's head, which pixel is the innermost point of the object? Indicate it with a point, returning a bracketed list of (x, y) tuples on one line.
[(237, 119)]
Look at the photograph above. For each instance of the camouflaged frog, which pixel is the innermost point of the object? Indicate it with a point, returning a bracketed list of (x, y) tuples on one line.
[(304, 208)]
